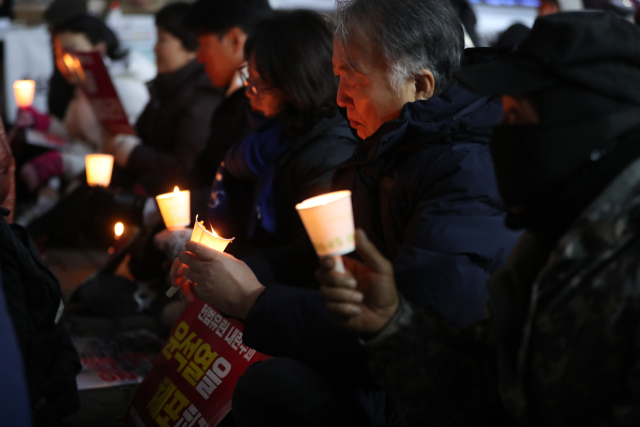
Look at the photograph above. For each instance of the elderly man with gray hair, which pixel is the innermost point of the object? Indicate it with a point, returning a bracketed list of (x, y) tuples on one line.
[(424, 192)]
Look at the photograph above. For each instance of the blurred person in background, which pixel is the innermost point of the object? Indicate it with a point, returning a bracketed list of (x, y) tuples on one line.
[(129, 72), (560, 346), (60, 91), (174, 127), (422, 183)]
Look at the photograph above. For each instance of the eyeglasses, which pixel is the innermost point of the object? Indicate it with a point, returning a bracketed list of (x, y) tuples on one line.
[(249, 85)]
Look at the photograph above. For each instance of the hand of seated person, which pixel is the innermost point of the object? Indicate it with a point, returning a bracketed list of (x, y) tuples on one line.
[(365, 298), (217, 278), (171, 242), (31, 118)]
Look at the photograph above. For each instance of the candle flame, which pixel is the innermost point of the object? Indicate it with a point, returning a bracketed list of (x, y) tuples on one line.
[(119, 229), (68, 61), (176, 189)]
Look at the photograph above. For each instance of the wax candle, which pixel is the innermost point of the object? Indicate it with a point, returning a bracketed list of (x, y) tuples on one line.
[(24, 90), (175, 208), (99, 168)]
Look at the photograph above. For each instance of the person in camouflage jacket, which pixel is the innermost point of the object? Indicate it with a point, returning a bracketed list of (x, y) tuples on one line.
[(561, 345)]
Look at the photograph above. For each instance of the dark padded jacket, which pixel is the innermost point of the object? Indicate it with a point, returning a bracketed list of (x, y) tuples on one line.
[(304, 171), (34, 302), (175, 125), (424, 191)]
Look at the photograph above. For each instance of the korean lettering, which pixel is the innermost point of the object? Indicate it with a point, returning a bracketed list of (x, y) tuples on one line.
[(193, 356), (213, 378), (167, 403), (190, 417)]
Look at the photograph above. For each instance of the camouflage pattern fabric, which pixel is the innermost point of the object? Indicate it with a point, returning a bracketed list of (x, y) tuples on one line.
[(561, 347)]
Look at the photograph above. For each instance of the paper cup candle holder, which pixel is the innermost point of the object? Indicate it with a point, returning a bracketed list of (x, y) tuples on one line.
[(208, 238), (24, 90), (99, 168), (328, 220), (175, 208)]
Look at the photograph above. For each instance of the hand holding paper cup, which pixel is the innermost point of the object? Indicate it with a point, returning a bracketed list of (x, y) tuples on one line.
[(328, 220), (99, 168), (208, 238)]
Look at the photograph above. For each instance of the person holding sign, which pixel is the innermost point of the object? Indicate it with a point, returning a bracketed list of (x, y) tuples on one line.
[(423, 190), (129, 72)]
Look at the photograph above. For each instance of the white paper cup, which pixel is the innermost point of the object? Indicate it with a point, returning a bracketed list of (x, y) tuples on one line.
[(207, 238), (24, 90), (328, 220), (175, 208), (99, 168)]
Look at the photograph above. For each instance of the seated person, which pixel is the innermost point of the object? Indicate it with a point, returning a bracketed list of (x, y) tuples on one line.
[(129, 72), (298, 141), (560, 347), (299, 135), (423, 188), (174, 127)]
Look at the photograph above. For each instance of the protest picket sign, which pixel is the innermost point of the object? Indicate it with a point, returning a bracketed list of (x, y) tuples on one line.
[(88, 69), (192, 380)]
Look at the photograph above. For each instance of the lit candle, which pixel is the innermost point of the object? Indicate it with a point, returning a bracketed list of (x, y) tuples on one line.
[(328, 220), (119, 229), (175, 208), (99, 168), (118, 232), (24, 90), (208, 238)]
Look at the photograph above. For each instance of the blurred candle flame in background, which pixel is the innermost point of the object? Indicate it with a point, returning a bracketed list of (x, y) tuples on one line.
[(119, 229)]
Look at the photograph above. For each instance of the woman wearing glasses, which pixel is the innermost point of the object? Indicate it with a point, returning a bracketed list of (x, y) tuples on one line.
[(299, 135)]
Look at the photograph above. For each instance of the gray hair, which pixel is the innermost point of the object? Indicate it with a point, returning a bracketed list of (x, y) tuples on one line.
[(411, 35)]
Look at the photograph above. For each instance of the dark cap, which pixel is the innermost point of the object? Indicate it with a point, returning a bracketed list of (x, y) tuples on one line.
[(60, 11), (597, 51)]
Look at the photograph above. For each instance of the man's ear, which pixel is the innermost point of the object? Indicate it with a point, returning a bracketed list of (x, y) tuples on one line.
[(425, 85), (235, 37)]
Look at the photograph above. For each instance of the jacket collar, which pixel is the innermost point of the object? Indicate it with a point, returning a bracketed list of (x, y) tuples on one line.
[(166, 85), (456, 115)]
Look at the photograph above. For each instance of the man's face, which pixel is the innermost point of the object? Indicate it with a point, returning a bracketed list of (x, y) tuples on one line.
[(365, 90), (221, 56)]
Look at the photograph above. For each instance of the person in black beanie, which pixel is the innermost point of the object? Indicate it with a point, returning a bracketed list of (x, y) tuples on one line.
[(560, 346)]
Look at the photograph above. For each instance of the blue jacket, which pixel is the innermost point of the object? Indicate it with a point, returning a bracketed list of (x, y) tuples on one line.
[(424, 191), (14, 400)]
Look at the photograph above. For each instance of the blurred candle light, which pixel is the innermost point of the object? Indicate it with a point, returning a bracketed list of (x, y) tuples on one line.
[(328, 220), (119, 230), (175, 208), (99, 168), (208, 238), (69, 62), (24, 90)]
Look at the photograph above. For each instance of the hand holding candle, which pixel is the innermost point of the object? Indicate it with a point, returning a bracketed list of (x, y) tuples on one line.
[(207, 238), (328, 220)]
